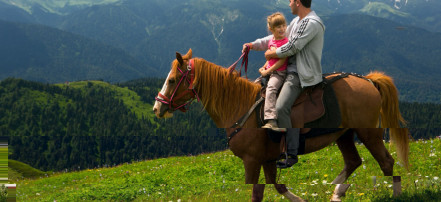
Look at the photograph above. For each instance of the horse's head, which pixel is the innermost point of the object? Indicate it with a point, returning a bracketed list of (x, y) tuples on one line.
[(177, 90)]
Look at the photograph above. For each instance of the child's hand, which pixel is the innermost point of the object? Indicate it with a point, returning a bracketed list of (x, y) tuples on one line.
[(273, 48), (264, 73)]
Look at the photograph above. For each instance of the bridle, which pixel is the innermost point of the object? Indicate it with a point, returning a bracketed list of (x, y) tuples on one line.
[(188, 76)]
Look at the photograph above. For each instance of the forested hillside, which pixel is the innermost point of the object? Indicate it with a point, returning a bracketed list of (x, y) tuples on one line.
[(91, 124)]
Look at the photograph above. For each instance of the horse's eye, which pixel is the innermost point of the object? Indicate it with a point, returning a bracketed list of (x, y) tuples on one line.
[(171, 81)]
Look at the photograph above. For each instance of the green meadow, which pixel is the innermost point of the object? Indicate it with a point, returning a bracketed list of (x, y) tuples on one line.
[(3, 164), (220, 177)]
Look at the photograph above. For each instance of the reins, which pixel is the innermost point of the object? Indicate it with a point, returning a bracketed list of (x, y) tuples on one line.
[(244, 58)]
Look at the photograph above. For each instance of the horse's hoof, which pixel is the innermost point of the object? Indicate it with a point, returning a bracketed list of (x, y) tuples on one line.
[(335, 198)]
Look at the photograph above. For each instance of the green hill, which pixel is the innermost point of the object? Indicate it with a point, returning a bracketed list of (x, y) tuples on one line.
[(40, 53), (18, 170), (220, 177), (91, 124)]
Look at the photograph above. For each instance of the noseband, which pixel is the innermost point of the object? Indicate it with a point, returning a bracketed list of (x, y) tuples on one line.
[(187, 76)]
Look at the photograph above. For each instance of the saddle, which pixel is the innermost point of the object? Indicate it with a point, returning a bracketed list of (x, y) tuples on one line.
[(316, 107)]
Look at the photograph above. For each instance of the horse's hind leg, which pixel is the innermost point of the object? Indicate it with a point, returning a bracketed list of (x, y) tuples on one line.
[(372, 138), (352, 161)]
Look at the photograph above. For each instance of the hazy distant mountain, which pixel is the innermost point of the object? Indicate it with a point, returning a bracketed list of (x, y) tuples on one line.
[(46, 54), (360, 43), (151, 31), (420, 13)]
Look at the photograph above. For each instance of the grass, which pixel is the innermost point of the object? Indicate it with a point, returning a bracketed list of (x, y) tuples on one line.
[(382, 9), (220, 177), (18, 170), (130, 98)]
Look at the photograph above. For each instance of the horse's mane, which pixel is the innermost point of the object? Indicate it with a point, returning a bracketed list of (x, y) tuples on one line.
[(222, 93)]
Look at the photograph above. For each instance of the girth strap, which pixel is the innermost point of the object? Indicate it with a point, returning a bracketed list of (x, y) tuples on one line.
[(239, 124)]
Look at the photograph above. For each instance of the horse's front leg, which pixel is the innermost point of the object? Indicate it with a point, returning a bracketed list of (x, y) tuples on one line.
[(252, 172), (258, 190), (270, 171)]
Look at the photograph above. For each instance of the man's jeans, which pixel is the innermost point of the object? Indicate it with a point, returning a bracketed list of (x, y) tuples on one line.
[(291, 90)]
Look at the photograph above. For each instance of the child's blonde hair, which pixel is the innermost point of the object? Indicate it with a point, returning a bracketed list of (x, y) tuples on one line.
[(275, 20)]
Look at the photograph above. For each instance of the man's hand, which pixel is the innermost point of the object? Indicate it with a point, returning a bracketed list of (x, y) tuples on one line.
[(270, 54), (244, 47)]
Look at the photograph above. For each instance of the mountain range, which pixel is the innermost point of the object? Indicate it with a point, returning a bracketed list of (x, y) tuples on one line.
[(45, 54), (421, 13), (398, 37)]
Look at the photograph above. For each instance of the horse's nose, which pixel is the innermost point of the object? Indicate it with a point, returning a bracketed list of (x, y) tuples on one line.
[(155, 110)]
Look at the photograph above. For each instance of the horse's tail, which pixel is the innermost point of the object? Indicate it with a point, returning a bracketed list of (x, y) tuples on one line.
[(390, 114)]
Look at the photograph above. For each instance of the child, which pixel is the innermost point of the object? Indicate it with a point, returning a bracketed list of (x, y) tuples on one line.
[(276, 68)]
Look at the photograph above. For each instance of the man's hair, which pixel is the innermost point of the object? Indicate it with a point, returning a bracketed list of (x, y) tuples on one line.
[(306, 3), (275, 20)]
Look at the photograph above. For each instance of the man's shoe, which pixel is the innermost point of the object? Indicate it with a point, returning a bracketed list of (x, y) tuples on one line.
[(286, 163)]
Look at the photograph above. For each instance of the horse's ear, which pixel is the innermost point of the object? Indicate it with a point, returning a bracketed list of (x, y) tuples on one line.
[(179, 58), (189, 54)]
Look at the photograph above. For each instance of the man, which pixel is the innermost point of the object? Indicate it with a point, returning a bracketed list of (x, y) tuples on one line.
[(304, 49)]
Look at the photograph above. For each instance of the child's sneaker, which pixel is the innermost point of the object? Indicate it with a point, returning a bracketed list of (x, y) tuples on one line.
[(272, 124)]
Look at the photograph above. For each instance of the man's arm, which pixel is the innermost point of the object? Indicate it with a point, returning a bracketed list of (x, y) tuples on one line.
[(259, 44), (307, 31), (262, 43)]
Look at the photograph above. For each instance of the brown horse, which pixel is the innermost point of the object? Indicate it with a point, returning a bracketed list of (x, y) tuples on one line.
[(227, 96)]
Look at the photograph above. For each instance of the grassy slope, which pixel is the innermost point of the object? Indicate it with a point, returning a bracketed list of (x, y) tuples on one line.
[(220, 176), (18, 170), (382, 10), (130, 98)]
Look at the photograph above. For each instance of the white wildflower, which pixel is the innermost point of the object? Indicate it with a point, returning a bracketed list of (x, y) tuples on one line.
[(435, 178)]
